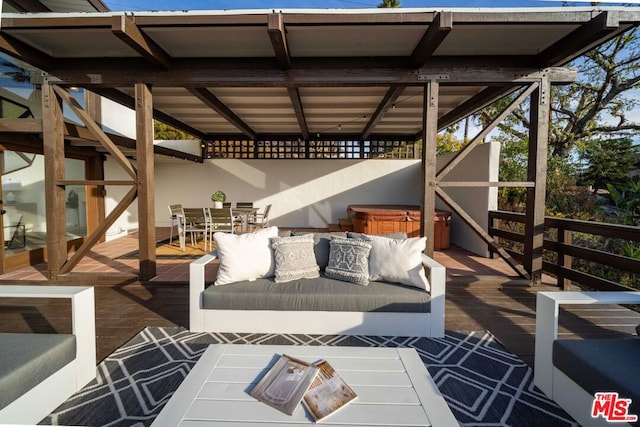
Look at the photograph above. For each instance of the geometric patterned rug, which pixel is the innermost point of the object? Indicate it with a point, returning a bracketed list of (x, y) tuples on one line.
[(483, 383)]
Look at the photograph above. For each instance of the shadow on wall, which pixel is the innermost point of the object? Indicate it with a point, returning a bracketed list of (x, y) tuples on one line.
[(304, 193)]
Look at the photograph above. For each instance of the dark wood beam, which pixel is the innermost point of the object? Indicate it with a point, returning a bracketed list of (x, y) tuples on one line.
[(387, 102), (53, 144), (278, 36), (575, 44), (146, 179), (294, 94), (126, 30), (204, 74), (20, 50), (537, 172), (128, 101), (429, 153), (212, 101), (438, 30)]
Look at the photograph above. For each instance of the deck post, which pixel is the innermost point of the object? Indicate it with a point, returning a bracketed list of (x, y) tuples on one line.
[(429, 137), (53, 145), (537, 173), (145, 184)]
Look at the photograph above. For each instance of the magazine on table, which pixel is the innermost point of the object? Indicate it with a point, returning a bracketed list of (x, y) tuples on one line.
[(284, 386), (327, 393)]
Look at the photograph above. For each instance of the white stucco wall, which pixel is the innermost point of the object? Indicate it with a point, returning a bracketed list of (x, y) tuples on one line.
[(311, 193), (480, 165)]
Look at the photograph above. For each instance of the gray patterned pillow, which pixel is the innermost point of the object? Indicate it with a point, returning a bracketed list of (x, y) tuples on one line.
[(294, 258), (349, 260)]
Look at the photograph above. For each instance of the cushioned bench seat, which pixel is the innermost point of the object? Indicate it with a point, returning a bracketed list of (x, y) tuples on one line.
[(321, 294), (28, 359), (600, 365)]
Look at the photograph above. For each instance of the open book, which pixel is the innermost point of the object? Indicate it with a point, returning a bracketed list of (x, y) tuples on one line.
[(285, 384), (327, 393)]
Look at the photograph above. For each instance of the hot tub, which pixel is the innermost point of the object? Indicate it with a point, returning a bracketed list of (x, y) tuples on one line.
[(384, 219)]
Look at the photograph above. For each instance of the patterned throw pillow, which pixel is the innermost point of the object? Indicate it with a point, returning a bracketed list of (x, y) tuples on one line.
[(294, 258), (349, 260), (398, 261)]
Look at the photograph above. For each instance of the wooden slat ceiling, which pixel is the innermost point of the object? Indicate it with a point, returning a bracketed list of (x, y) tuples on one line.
[(351, 74)]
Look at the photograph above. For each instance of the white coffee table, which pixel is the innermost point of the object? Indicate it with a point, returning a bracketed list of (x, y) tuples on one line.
[(394, 388)]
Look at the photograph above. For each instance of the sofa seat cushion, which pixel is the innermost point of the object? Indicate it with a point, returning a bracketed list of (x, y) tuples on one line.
[(320, 294), (28, 359), (601, 365)]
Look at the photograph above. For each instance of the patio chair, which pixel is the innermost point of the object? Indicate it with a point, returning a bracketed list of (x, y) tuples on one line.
[(218, 220), (261, 220), (194, 223), (175, 212)]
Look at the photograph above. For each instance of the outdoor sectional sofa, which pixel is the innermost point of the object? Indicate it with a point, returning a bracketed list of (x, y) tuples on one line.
[(38, 372), (321, 305), (571, 371)]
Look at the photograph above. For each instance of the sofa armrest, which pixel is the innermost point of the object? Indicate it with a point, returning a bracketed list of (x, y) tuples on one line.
[(82, 320), (547, 309), (437, 279), (196, 286)]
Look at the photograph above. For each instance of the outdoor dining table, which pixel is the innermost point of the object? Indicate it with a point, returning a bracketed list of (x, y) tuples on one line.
[(244, 214)]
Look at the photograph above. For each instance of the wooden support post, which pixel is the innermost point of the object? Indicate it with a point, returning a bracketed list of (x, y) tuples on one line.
[(53, 142), (537, 172), (429, 135), (146, 190), (566, 261)]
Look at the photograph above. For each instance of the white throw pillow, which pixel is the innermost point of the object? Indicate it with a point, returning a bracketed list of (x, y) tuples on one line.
[(398, 261), (245, 256)]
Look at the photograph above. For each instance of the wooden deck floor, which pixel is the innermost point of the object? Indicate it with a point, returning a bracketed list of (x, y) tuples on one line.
[(481, 295)]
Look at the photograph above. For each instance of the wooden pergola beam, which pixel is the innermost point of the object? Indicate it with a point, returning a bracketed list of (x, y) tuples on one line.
[(212, 101), (145, 182), (126, 30), (278, 37), (55, 197), (101, 229), (387, 102), (96, 130), (18, 49), (202, 74), (438, 30), (296, 102), (576, 43)]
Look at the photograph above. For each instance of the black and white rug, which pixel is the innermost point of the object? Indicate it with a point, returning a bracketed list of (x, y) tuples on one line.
[(483, 383)]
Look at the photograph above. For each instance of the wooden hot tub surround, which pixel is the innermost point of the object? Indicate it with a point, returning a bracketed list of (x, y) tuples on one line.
[(384, 219)]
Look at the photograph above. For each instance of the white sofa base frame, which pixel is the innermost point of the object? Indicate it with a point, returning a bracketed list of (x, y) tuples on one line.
[(40, 401), (553, 382), (318, 322)]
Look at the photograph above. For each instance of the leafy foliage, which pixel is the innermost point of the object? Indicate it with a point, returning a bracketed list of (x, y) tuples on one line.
[(163, 131), (389, 3), (608, 161)]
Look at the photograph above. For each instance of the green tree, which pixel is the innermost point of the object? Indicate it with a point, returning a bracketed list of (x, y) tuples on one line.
[(163, 131), (389, 4), (608, 162)]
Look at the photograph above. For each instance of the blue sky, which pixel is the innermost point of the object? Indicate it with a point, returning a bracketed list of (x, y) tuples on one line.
[(132, 5)]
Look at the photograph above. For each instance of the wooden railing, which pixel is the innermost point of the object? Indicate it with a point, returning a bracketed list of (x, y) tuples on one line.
[(561, 252)]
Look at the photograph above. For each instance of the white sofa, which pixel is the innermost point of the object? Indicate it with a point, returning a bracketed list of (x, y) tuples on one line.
[(395, 319), (556, 375), (42, 388)]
